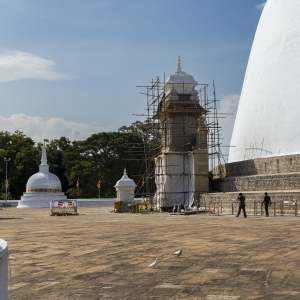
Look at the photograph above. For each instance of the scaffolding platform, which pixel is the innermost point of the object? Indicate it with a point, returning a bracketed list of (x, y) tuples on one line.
[(189, 212), (181, 140)]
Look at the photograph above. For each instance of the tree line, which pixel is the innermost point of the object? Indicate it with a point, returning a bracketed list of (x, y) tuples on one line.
[(101, 157)]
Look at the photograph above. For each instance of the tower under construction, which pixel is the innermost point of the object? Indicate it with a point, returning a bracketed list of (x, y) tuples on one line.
[(183, 140)]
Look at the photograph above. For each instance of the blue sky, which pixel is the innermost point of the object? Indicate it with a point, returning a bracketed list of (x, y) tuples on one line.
[(70, 68)]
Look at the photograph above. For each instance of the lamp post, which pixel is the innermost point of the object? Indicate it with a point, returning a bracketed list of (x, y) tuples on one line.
[(98, 185), (6, 182), (77, 186)]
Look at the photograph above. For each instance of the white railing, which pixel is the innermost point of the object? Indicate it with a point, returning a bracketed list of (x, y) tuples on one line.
[(253, 207)]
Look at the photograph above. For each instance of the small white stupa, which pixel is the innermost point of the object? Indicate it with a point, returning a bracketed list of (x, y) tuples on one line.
[(125, 188), (42, 187)]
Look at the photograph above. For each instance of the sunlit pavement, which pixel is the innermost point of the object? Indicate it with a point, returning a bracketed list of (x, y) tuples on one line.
[(101, 255)]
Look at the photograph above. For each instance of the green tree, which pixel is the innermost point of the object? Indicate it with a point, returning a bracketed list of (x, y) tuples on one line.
[(55, 156), (149, 133), (103, 157), (24, 161)]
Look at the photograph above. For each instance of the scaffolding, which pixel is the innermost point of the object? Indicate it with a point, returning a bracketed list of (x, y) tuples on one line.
[(157, 134)]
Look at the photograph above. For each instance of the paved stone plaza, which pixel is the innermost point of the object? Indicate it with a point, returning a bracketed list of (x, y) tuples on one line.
[(100, 255)]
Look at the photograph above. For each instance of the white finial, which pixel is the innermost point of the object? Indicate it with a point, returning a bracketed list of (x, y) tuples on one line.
[(178, 65), (124, 171)]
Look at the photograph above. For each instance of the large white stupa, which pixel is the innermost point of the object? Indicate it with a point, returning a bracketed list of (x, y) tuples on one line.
[(42, 187), (268, 112)]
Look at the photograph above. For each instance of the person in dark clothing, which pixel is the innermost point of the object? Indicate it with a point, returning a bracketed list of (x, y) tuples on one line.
[(242, 205), (267, 202)]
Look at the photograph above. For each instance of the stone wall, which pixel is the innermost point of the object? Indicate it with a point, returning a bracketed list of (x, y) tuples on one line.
[(259, 166), (257, 183), (263, 174)]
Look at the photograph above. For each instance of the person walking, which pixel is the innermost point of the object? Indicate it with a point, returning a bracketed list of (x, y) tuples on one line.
[(242, 205), (267, 202)]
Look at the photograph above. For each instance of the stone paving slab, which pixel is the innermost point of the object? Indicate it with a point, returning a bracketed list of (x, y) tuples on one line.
[(100, 255)]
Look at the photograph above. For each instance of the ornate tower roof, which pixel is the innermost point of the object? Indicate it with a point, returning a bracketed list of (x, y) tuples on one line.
[(125, 181), (182, 82)]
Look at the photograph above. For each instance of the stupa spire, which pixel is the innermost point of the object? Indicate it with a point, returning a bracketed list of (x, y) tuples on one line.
[(178, 65), (44, 156), (44, 168)]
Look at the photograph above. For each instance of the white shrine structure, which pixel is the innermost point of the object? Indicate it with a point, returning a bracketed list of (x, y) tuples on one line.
[(42, 187), (125, 188)]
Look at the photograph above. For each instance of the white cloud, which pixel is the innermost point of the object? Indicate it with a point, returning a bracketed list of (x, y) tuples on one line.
[(17, 65), (228, 104), (261, 6), (38, 128)]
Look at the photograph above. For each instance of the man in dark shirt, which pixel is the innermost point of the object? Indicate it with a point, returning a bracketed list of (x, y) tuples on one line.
[(267, 202), (242, 205)]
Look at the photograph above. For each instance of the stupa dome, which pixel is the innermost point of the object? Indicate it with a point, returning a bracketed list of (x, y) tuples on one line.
[(43, 181), (266, 120)]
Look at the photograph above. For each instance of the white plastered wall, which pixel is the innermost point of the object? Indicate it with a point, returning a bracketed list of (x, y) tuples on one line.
[(175, 180)]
